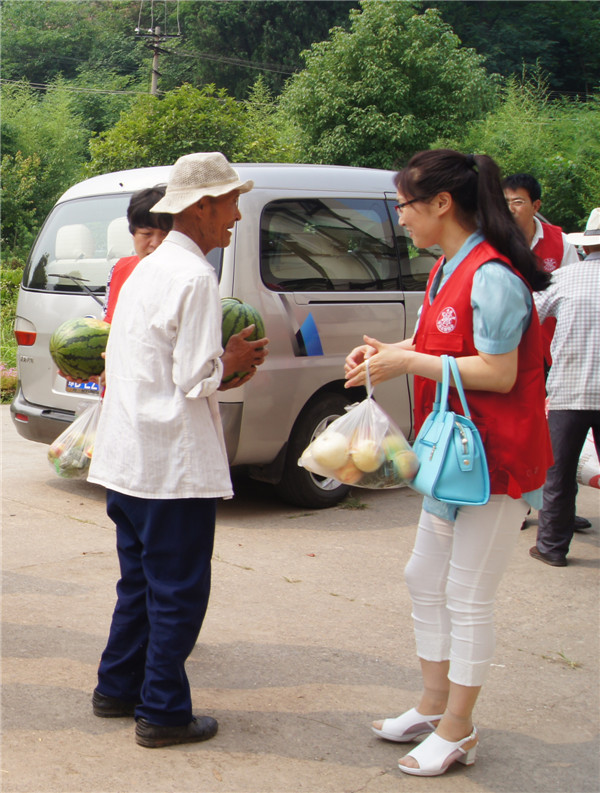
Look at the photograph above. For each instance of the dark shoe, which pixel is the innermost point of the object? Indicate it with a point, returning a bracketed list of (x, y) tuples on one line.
[(558, 561), (201, 728), (581, 524), (110, 707), (525, 524)]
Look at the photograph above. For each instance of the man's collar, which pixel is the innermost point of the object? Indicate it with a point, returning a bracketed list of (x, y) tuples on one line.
[(538, 234)]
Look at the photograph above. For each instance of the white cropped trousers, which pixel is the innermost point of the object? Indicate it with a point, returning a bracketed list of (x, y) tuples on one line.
[(453, 575)]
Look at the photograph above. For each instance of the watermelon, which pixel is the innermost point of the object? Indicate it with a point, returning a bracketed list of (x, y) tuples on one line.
[(237, 316), (77, 345)]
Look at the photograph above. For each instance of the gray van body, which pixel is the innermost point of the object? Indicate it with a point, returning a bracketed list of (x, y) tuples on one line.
[(318, 252)]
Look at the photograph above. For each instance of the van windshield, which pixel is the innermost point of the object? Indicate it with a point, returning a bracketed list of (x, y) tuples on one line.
[(80, 242)]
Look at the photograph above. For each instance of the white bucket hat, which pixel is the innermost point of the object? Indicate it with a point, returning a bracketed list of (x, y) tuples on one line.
[(197, 175), (591, 235)]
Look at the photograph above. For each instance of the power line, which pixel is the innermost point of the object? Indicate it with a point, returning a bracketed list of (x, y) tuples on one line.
[(267, 67), (64, 87)]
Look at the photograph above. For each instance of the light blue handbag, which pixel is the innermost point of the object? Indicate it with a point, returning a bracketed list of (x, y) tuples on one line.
[(453, 467)]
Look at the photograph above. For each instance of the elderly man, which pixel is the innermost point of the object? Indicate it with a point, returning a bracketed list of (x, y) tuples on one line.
[(160, 453), (573, 390)]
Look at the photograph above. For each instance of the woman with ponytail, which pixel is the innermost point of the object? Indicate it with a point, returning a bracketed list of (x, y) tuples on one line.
[(478, 308)]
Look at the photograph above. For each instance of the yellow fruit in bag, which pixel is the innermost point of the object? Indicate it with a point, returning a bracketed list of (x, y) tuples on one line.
[(330, 450), (367, 455)]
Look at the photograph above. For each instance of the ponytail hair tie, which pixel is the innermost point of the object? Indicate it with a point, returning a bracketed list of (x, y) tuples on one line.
[(470, 162)]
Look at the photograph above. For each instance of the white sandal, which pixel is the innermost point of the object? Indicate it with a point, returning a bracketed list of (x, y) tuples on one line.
[(410, 726), (435, 755)]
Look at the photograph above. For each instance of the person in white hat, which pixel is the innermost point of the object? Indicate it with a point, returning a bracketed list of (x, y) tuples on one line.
[(589, 239), (160, 453), (573, 387)]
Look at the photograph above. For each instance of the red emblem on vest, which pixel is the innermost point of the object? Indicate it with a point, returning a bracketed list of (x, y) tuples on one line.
[(550, 265), (446, 321)]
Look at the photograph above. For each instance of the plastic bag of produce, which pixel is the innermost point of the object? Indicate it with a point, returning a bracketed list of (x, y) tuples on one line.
[(364, 448), (70, 454)]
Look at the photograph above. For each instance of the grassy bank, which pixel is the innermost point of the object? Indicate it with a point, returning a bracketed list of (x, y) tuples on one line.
[(10, 278)]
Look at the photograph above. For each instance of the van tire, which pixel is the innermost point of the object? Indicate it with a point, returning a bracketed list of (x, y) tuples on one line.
[(297, 485)]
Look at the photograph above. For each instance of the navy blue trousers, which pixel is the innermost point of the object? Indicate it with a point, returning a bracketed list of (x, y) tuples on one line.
[(165, 548), (568, 430)]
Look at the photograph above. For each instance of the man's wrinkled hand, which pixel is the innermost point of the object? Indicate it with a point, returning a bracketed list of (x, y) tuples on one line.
[(99, 379), (241, 355)]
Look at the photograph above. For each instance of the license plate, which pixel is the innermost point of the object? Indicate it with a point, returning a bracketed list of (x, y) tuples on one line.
[(72, 386)]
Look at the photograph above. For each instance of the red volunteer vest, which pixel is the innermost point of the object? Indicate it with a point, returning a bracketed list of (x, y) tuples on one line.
[(513, 426), (120, 273), (549, 251)]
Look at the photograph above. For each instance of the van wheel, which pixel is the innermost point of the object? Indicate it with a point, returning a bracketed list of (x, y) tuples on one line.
[(299, 486)]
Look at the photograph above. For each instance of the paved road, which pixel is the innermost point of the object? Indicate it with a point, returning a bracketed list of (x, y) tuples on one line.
[(307, 639)]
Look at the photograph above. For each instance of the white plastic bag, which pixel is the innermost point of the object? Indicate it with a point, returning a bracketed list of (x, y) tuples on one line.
[(70, 454), (364, 448), (588, 468)]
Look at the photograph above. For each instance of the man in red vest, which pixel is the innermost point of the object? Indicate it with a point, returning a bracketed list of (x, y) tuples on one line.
[(523, 195)]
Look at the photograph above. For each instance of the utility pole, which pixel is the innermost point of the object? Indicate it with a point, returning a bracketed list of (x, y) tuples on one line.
[(155, 72), (156, 38)]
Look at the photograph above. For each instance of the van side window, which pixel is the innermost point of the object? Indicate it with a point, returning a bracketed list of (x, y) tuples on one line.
[(328, 245), (415, 263)]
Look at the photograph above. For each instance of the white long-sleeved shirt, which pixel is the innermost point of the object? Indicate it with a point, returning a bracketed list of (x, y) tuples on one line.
[(160, 432)]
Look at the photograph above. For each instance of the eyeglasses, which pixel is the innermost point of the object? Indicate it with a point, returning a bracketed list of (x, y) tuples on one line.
[(516, 202), (400, 207)]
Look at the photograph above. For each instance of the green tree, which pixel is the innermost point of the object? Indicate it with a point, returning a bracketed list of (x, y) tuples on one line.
[(562, 38), (269, 34), (556, 141), (20, 175), (220, 41), (101, 97), (385, 89), (45, 39), (43, 150), (158, 131), (266, 140)]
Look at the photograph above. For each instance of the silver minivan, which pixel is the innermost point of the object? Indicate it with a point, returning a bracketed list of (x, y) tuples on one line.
[(318, 252)]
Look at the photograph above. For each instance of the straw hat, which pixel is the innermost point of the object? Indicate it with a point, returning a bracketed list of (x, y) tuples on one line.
[(197, 175), (591, 235)]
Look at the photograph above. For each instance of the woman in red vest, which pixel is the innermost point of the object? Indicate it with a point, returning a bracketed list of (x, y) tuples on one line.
[(148, 230), (478, 308)]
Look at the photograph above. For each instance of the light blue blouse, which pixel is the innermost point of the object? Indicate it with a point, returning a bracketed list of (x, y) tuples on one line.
[(502, 306)]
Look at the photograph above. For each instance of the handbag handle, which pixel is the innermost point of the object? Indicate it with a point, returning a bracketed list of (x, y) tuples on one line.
[(368, 379), (441, 396)]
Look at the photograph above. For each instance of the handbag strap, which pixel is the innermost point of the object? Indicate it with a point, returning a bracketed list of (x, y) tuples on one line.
[(368, 379), (453, 367)]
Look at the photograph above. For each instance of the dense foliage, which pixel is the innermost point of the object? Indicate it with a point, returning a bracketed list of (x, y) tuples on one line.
[(561, 38), (558, 142), (158, 131), (374, 95), (43, 148), (228, 44)]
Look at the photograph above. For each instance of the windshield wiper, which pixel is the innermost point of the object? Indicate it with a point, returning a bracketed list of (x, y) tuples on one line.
[(80, 282)]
